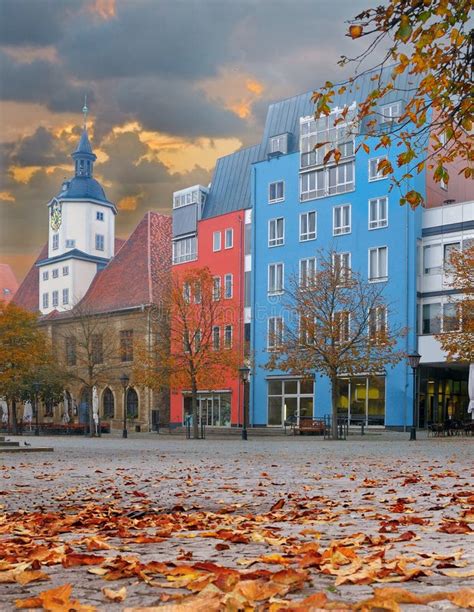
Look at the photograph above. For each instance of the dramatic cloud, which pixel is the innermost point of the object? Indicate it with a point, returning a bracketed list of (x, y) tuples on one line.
[(171, 87)]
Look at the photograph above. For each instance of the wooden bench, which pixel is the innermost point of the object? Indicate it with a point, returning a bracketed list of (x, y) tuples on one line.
[(310, 425)]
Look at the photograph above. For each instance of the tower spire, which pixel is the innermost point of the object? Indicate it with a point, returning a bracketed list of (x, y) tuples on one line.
[(85, 110)]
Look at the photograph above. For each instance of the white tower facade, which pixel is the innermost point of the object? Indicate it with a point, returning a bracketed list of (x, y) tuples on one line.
[(81, 235)]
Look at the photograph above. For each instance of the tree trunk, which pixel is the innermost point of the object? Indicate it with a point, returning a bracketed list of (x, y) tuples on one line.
[(334, 406), (14, 418), (194, 409)]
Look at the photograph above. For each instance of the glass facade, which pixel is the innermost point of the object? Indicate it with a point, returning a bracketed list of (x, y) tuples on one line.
[(443, 395), (213, 409), (288, 398), (362, 399)]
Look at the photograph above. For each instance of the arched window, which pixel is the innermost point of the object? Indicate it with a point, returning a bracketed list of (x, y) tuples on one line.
[(108, 404), (132, 404)]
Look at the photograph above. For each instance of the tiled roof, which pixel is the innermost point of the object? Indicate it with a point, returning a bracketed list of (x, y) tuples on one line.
[(139, 271), (230, 187), (8, 283), (27, 294)]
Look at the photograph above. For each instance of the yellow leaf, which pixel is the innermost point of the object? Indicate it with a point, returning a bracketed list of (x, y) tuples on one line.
[(115, 596)]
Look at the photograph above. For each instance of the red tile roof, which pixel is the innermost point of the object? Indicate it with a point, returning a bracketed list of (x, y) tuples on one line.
[(8, 283), (139, 271), (27, 294)]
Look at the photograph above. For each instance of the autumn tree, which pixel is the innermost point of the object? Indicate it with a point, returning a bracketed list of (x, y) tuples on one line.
[(187, 352), (336, 324), (431, 42), (457, 338), (23, 350), (89, 349)]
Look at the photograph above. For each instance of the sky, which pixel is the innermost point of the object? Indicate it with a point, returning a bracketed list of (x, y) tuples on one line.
[(171, 85)]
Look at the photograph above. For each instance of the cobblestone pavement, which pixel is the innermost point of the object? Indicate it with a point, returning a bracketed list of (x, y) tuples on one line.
[(305, 490)]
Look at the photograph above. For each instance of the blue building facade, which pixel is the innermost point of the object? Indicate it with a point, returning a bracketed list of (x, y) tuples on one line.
[(301, 206)]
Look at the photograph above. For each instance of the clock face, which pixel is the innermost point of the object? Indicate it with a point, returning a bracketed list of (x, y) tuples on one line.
[(56, 216)]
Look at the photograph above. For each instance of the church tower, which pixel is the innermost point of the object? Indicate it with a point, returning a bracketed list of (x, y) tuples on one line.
[(81, 234)]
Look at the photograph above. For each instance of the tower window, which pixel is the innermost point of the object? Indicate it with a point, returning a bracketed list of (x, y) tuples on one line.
[(55, 298), (45, 275), (70, 244), (55, 272), (45, 300), (55, 242), (99, 216), (99, 242)]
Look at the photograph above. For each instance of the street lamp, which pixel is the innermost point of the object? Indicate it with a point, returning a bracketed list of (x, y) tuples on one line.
[(244, 372), (36, 387), (414, 362), (124, 379)]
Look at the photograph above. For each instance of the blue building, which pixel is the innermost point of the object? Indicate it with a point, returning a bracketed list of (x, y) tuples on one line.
[(302, 206), (297, 207)]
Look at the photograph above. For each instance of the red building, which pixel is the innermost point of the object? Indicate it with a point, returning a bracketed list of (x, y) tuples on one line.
[(211, 228)]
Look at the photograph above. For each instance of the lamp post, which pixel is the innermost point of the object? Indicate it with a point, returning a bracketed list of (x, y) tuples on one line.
[(124, 379), (36, 387), (414, 362), (244, 372)]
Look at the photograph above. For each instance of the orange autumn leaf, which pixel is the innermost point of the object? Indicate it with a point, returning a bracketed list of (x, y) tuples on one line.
[(55, 600), (115, 596), (74, 559)]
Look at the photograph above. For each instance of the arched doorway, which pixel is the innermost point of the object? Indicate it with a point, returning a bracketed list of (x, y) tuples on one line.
[(132, 404), (108, 404)]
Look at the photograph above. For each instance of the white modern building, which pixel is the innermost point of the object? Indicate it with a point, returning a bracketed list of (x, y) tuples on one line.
[(443, 385)]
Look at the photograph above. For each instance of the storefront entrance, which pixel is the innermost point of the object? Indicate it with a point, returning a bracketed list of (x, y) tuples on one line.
[(213, 409), (361, 399), (443, 394), (289, 399)]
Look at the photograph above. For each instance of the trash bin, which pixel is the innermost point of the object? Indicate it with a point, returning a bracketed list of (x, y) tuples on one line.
[(138, 428)]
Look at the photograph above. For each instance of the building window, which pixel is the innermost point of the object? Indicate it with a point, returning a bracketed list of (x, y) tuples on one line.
[(448, 249), (341, 178), (289, 399), (197, 292), (45, 300), (276, 192), (307, 272), (279, 144), (327, 181), (431, 318), (97, 348), (108, 404), (275, 333), (228, 336), (361, 398), (333, 131), (307, 226), (275, 278), (376, 174), (451, 321), (378, 269), (276, 232), (71, 356), (55, 299), (126, 345), (432, 259), (378, 213), (184, 250), (99, 216), (216, 241), (216, 338), (70, 244), (228, 286), (55, 242), (187, 292), (216, 288), (377, 323), (229, 238), (342, 325), (132, 403), (99, 242), (65, 297), (342, 267), (390, 111), (197, 340), (341, 220), (45, 275), (55, 273), (65, 270)]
